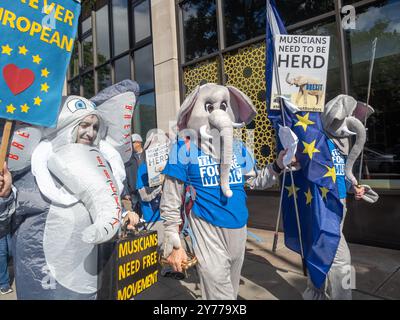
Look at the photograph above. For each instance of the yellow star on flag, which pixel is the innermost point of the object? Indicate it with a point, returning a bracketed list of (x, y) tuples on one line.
[(10, 108), (25, 108), (45, 72), (37, 59), (331, 173), (6, 49), (324, 191), (44, 87), (309, 196), (23, 50), (290, 190), (309, 148), (37, 101), (304, 121)]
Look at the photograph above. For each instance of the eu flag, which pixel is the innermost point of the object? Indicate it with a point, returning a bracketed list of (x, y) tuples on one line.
[(315, 190), (37, 39)]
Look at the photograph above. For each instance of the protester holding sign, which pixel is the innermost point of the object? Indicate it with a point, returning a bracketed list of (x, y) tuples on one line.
[(73, 203)]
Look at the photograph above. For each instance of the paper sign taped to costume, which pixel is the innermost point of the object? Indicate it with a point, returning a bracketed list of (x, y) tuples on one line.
[(302, 63), (37, 39)]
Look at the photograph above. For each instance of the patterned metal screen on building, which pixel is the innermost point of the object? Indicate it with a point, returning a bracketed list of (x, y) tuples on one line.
[(245, 70)]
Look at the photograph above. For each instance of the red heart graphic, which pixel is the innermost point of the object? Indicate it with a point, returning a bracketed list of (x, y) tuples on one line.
[(18, 79)]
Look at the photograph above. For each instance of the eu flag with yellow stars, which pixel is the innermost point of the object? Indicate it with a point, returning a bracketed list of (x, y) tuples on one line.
[(316, 193), (315, 190), (37, 39)]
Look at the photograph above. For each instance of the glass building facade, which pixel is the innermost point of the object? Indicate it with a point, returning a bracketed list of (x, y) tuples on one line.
[(223, 41), (115, 43)]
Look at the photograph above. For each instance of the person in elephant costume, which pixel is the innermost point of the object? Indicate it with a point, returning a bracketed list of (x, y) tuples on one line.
[(217, 167), (343, 118), (69, 202)]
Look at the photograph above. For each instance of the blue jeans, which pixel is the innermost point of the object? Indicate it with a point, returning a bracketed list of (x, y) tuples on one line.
[(5, 251)]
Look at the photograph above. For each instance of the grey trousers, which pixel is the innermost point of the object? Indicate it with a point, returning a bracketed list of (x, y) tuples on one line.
[(220, 252), (340, 279)]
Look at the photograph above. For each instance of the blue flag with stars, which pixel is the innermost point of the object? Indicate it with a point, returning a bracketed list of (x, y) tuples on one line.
[(315, 189), (316, 193), (37, 39)]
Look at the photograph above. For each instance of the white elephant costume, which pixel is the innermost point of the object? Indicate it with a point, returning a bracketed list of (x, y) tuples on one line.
[(342, 119), (219, 214), (70, 201)]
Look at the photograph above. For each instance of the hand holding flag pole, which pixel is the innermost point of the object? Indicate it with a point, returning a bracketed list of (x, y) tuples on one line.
[(275, 69), (4, 142)]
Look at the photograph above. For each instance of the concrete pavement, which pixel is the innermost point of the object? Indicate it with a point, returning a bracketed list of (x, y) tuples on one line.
[(268, 276)]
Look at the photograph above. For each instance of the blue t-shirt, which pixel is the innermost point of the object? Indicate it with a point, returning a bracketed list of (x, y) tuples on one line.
[(193, 167), (150, 210), (339, 161)]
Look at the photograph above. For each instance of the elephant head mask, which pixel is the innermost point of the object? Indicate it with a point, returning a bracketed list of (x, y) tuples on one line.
[(343, 118), (212, 111)]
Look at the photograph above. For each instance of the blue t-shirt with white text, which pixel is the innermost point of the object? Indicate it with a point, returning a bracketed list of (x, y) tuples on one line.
[(339, 161), (188, 163)]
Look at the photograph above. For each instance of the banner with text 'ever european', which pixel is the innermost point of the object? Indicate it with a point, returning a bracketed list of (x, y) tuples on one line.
[(36, 42)]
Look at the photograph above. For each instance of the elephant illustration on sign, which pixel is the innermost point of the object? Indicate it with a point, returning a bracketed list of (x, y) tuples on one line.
[(307, 86)]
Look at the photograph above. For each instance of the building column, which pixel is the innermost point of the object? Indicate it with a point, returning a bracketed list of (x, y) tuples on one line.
[(166, 66)]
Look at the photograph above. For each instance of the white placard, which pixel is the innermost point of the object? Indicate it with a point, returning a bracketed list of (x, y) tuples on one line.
[(156, 159), (302, 63)]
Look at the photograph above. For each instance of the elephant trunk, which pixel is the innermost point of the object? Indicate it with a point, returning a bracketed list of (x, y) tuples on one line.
[(223, 123), (356, 126), (92, 181)]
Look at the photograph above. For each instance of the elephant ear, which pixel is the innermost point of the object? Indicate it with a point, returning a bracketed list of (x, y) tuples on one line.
[(24, 140), (186, 108), (247, 111), (115, 105), (363, 111)]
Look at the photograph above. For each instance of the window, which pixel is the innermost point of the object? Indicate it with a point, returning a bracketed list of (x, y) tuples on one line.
[(88, 85), (87, 52), (102, 35), (144, 70), (145, 115), (74, 88), (141, 18), (200, 28), (382, 152), (74, 63), (293, 11), (104, 77), (87, 25), (243, 20), (122, 69), (121, 26)]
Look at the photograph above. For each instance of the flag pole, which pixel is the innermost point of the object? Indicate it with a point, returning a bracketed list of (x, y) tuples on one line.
[(4, 143), (278, 219), (371, 69), (275, 67)]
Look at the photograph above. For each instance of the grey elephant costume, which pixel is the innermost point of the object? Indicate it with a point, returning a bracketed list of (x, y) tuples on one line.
[(343, 118), (217, 172), (69, 202)]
